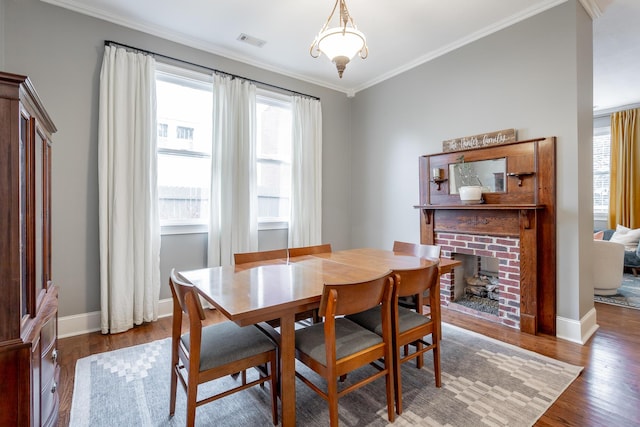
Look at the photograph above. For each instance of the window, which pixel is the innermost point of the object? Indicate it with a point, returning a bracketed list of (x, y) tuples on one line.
[(601, 171), (184, 103), (163, 130), (184, 116), (184, 133), (273, 152)]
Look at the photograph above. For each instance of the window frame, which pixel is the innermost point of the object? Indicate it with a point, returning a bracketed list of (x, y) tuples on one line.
[(197, 80), (283, 101), (600, 130)]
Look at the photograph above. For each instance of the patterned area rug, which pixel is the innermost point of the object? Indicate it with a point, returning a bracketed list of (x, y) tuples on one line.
[(628, 294), (485, 382)]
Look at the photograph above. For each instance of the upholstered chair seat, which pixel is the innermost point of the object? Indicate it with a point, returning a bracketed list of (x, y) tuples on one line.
[(226, 342)]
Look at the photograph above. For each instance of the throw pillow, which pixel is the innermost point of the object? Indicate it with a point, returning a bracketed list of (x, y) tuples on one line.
[(599, 235), (628, 237)]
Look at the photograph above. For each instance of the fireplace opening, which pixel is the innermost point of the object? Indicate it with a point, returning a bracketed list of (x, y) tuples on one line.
[(478, 287)]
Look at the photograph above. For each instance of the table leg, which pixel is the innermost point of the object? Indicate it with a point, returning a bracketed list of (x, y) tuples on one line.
[(287, 370)]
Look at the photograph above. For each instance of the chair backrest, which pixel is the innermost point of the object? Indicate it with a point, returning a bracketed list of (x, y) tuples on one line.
[(185, 298), (309, 250), (418, 250), (246, 257), (416, 281), (349, 298)]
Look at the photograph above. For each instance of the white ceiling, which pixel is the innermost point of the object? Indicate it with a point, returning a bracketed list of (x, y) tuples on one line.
[(424, 29)]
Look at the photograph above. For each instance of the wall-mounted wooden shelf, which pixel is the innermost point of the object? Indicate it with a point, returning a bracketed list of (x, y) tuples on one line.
[(481, 206)]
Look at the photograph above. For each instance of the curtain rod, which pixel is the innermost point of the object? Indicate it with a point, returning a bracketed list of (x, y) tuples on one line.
[(155, 54)]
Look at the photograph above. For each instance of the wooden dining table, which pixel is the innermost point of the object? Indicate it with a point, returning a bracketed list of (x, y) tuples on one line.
[(278, 289)]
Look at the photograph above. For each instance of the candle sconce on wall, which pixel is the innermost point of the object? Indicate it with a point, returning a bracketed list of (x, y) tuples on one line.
[(519, 175), (438, 176)]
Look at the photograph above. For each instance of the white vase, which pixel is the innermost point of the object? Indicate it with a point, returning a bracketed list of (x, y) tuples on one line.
[(470, 194)]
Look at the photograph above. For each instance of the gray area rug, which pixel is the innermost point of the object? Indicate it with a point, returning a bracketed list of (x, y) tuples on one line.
[(627, 295), (485, 382)]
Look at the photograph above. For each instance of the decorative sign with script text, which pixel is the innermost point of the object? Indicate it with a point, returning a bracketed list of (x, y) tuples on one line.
[(478, 141)]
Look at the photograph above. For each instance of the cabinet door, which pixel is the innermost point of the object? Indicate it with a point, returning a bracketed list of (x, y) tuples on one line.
[(38, 215), (46, 214), (27, 295), (37, 220)]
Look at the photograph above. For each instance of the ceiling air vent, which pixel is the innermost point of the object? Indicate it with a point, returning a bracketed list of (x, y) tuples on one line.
[(251, 40)]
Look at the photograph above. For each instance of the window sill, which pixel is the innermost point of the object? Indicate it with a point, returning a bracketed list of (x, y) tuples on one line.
[(273, 225), (184, 229), (203, 229)]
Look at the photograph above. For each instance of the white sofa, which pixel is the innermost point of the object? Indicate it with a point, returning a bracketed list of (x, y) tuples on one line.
[(608, 266)]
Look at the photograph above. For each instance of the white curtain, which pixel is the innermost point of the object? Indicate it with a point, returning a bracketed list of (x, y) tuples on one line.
[(305, 222), (233, 225), (128, 206)]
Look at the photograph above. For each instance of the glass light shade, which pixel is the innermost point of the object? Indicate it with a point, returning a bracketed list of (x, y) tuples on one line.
[(334, 43)]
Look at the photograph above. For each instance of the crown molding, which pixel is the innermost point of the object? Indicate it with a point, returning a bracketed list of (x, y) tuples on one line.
[(595, 8)]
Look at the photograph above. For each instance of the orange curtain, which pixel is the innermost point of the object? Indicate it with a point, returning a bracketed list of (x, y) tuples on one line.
[(624, 194)]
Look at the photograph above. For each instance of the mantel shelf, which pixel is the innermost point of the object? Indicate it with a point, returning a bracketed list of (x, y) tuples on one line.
[(481, 206)]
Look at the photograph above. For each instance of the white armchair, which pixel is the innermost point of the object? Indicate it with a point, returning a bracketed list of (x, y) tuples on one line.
[(608, 266)]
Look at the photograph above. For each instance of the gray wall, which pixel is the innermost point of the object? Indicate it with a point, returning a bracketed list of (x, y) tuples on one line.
[(534, 76), (2, 5), (62, 51)]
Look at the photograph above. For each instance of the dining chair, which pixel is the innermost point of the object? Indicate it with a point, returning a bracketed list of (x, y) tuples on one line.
[(250, 257), (409, 326), (418, 250), (431, 252), (247, 257), (309, 250), (206, 353), (337, 345)]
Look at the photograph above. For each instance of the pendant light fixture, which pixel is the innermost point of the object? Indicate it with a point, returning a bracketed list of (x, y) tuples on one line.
[(342, 42)]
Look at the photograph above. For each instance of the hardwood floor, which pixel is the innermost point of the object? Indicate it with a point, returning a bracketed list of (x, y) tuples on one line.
[(607, 393)]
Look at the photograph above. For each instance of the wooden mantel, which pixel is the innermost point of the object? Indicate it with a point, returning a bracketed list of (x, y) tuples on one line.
[(525, 210)]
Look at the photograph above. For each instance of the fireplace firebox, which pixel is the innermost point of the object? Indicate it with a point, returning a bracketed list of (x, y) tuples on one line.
[(487, 284)]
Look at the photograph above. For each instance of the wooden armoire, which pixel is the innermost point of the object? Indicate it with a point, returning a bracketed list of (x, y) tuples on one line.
[(29, 371)]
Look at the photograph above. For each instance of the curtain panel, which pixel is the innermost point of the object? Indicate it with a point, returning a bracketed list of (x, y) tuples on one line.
[(624, 184), (305, 222), (128, 205), (233, 222)]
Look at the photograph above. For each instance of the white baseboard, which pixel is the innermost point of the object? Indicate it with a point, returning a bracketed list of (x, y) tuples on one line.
[(78, 324), (578, 331)]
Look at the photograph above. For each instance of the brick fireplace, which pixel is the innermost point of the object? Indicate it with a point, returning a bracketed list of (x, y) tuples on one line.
[(507, 252), (515, 223)]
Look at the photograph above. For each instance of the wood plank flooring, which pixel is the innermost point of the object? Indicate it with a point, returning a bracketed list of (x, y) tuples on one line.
[(607, 393)]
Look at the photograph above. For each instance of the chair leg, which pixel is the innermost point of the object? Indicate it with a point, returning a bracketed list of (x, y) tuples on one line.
[(397, 381), (174, 385), (192, 396), (420, 358), (634, 270), (273, 370), (436, 365), (332, 400)]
